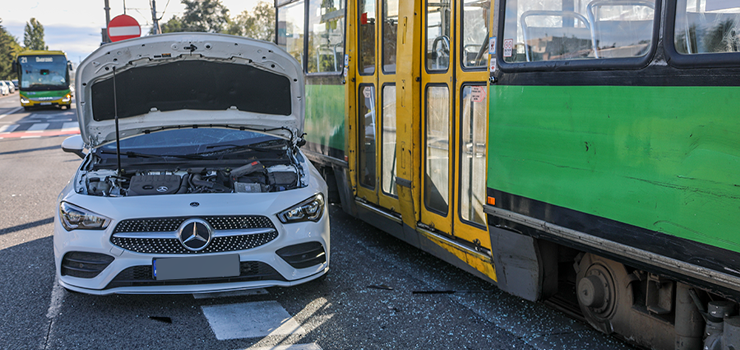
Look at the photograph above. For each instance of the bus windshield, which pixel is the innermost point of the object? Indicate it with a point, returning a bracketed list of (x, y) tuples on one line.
[(43, 72)]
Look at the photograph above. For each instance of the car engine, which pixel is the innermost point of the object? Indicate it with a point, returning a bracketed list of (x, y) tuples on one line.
[(253, 177)]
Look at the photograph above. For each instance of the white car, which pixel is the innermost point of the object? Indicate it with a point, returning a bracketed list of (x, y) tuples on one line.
[(4, 89), (11, 86), (209, 191)]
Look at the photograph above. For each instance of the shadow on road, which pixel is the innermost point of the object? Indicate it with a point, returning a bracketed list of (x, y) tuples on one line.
[(30, 150), (25, 226)]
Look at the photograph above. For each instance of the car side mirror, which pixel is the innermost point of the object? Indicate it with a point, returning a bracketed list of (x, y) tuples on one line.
[(74, 144)]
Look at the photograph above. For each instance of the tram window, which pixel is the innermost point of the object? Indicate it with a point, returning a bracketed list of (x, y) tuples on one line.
[(475, 33), (439, 15), (290, 29), (707, 26), (390, 30), (325, 36), (557, 30), (473, 154), (366, 36), (388, 139), (367, 135), (436, 189)]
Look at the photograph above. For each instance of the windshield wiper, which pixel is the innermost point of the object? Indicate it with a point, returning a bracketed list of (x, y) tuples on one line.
[(264, 146), (130, 154)]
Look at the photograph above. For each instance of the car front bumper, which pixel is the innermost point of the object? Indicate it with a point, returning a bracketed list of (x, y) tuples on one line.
[(130, 271)]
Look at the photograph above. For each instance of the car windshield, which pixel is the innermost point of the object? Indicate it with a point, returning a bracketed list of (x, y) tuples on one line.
[(178, 142)]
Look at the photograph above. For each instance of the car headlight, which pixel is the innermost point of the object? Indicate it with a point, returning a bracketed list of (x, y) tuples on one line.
[(24, 100), (309, 210), (76, 218)]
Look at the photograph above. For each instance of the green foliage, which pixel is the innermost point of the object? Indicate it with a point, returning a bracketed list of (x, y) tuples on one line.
[(9, 47), (33, 37), (212, 16), (199, 16), (259, 24)]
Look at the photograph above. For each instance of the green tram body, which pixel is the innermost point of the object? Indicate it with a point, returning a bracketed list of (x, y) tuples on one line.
[(632, 167)]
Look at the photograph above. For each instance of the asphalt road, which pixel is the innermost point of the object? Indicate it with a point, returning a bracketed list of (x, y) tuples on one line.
[(366, 302)]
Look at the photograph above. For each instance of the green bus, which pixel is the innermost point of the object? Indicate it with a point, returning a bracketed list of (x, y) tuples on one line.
[(44, 78)]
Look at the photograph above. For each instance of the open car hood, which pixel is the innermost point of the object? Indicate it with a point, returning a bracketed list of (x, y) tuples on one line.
[(185, 80)]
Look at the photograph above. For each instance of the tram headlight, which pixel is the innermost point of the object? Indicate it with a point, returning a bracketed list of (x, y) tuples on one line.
[(24, 100), (309, 210)]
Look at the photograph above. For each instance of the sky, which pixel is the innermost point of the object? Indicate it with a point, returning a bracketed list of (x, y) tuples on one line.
[(73, 26)]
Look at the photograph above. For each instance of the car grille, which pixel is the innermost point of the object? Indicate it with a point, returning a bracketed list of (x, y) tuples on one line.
[(84, 265), (137, 276), (174, 246), (303, 255), (172, 224)]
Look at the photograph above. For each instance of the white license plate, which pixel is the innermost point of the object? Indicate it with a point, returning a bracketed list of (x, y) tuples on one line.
[(196, 267), (45, 103)]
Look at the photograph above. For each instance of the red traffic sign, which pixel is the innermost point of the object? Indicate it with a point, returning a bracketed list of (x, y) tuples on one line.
[(123, 27)]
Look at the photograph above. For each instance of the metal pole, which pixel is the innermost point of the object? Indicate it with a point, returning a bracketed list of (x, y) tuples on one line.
[(154, 18), (106, 39), (107, 13)]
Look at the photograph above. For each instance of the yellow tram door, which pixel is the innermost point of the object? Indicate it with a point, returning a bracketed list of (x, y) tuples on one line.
[(453, 108), (377, 23), (471, 120)]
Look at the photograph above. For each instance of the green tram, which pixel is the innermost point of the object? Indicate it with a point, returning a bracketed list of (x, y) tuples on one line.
[(579, 151)]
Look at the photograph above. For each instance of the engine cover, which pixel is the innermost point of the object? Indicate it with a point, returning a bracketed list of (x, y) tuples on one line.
[(144, 185)]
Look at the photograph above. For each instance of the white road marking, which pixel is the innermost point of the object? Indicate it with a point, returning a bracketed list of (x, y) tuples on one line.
[(311, 346), (8, 128), (38, 127), (250, 320), (30, 137), (57, 294), (11, 112), (70, 126), (238, 293)]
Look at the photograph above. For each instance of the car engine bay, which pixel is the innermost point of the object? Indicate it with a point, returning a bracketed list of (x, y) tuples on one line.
[(144, 177)]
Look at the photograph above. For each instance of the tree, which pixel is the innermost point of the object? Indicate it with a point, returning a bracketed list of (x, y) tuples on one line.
[(171, 26), (33, 37), (260, 24), (199, 16), (9, 47)]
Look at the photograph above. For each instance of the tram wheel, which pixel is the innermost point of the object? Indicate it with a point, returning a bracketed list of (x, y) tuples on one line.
[(599, 291)]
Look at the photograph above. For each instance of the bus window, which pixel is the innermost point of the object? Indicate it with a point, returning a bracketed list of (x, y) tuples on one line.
[(390, 29), (707, 26), (438, 35), (475, 33), (388, 139), (557, 30), (325, 36), (290, 29), (366, 39), (436, 188)]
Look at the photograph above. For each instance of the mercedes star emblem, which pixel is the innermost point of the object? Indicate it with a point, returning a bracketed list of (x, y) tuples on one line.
[(195, 234)]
